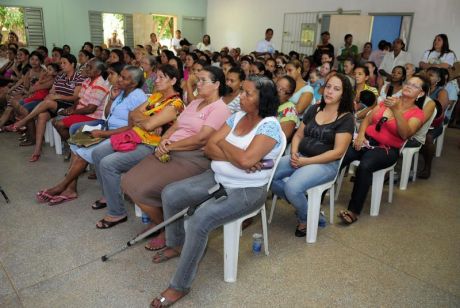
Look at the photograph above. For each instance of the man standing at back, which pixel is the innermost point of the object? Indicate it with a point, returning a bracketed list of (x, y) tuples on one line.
[(394, 58), (266, 45), (324, 47), (175, 41)]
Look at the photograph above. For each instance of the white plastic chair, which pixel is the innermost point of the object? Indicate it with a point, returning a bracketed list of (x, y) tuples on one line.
[(232, 230), (314, 206), (49, 133), (378, 178), (440, 141), (57, 141), (409, 155)]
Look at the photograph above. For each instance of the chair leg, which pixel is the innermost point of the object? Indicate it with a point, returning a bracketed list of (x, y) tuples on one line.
[(314, 203), (440, 142), (339, 183), (378, 178), (272, 208), (331, 203), (414, 175), (391, 185), (57, 141), (263, 215), (405, 170), (50, 133), (231, 248)]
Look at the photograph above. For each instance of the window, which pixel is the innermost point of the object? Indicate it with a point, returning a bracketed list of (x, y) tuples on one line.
[(115, 26), (164, 28), (26, 22)]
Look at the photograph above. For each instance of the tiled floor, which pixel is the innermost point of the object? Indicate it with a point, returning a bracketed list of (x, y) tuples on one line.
[(409, 256)]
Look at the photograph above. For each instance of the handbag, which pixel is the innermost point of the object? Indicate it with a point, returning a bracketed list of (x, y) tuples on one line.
[(125, 141)]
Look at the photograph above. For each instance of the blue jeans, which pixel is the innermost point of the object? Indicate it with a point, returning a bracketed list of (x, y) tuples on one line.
[(194, 237), (299, 181), (109, 167)]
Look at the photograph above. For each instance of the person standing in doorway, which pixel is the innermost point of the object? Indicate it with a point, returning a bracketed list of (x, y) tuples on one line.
[(266, 45), (175, 41)]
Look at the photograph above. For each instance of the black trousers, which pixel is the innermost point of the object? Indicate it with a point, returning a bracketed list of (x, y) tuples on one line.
[(370, 160)]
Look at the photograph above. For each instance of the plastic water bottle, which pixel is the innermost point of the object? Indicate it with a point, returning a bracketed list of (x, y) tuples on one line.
[(145, 218), (322, 220), (257, 243)]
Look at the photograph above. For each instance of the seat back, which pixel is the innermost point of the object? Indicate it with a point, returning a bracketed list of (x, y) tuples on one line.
[(281, 153)]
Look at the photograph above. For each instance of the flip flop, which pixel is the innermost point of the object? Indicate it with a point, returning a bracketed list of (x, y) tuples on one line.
[(98, 205), (109, 224), (161, 256), (161, 301), (347, 217), (58, 199), (156, 243), (34, 158), (42, 196)]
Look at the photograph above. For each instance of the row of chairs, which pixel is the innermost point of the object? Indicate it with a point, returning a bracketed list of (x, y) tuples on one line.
[(233, 230)]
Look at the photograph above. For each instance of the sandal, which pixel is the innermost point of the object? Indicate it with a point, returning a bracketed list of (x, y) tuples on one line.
[(161, 301), (347, 217), (162, 256), (105, 224), (42, 196), (58, 199), (98, 205), (300, 232), (156, 243), (26, 143), (34, 158)]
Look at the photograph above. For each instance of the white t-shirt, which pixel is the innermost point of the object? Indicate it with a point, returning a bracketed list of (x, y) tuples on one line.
[(265, 46), (176, 43), (432, 57), (390, 61), (201, 46)]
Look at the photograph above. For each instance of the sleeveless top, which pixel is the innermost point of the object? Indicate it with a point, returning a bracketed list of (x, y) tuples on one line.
[(231, 176)]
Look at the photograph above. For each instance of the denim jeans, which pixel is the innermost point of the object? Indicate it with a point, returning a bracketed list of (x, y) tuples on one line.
[(109, 166), (299, 181), (194, 237), (370, 160)]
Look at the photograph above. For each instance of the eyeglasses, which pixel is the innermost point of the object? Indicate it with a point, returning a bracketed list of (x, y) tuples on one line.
[(413, 86), (203, 81), (380, 123), (282, 90)]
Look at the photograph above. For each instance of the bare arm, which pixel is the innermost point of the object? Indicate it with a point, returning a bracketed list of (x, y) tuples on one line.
[(304, 101), (406, 128), (260, 146), (194, 142), (212, 150), (341, 143), (298, 136), (288, 128), (167, 115)]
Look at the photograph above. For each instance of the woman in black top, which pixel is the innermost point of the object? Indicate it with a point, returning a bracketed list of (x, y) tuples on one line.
[(317, 147)]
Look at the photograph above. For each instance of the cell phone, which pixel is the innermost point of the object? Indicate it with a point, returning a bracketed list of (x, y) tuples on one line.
[(267, 163)]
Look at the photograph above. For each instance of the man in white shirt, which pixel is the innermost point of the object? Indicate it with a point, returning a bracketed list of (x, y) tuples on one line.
[(266, 45), (397, 57), (175, 42)]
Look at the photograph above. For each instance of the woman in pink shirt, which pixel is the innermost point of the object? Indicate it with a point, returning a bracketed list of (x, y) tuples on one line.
[(180, 153), (381, 135)]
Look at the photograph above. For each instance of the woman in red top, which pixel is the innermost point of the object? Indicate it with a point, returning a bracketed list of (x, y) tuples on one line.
[(381, 135)]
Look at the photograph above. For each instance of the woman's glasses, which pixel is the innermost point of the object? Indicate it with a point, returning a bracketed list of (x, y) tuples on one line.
[(413, 86), (382, 120)]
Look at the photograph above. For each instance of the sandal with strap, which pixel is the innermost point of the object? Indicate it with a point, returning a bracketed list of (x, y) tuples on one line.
[(105, 224), (162, 255), (42, 196), (156, 243), (98, 205), (162, 301), (347, 217)]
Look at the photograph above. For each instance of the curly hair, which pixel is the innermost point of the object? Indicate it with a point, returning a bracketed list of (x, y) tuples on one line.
[(346, 101), (268, 96)]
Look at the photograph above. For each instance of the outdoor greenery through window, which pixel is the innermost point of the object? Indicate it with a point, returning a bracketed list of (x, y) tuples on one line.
[(113, 24), (164, 28), (12, 19)]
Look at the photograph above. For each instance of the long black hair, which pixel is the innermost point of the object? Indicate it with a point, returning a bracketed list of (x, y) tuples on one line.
[(346, 101), (268, 95), (172, 72), (445, 44)]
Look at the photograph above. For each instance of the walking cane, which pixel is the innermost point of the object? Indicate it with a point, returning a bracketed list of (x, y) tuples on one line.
[(217, 192), (4, 195)]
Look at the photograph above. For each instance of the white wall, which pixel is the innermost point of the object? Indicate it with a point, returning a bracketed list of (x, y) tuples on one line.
[(66, 21), (241, 23)]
